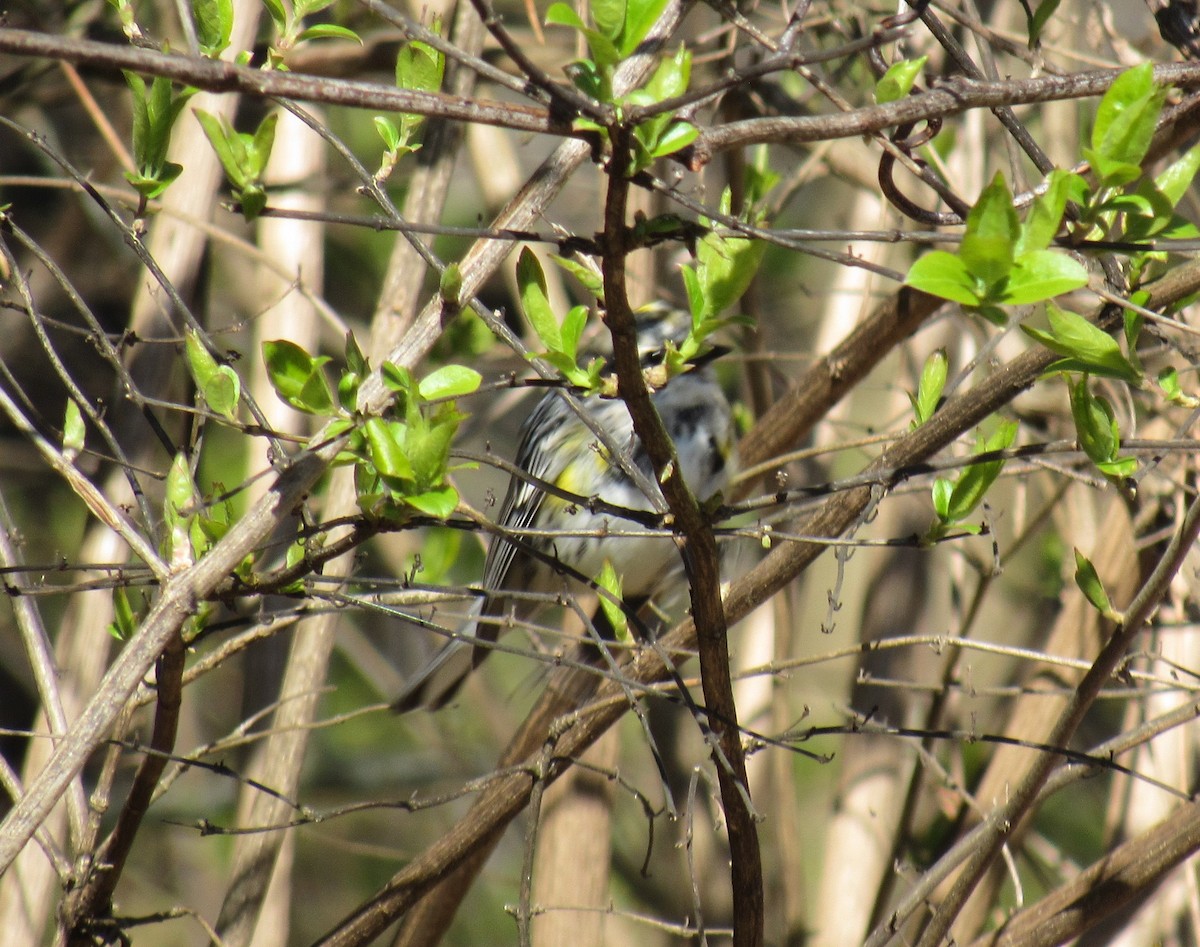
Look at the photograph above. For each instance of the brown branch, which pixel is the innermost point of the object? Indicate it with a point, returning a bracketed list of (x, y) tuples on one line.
[(948, 98), (93, 901), (215, 75), (1119, 879), (701, 563)]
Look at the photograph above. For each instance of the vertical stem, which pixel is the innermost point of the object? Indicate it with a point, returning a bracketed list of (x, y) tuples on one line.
[(698, 548)]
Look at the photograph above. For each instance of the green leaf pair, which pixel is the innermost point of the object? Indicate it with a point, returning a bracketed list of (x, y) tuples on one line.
[(561, 340), (419, 68), (243, 156), (1097, 431), (955, 500), (155, 109), (218, 385), (407, 461), (1000, 260)]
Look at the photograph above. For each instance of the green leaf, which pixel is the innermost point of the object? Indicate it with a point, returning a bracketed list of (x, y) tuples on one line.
[(988, 246), (200, 362), (1176, 179), (678, 136), (930, 387), (1037, 22), (385, 451), (898, 81), (1042, 274), (1045, 216), (229, 149), (279, 15), (74, 430), (222, 391), (440, 502), (125, 620), (671, 77), (588, 278), (640, 16), (610, 582), (1127, 115), (420, 67), (259, 150), (535, 302), (388, 132), (297, 377), (609, 16), (214, 25), (1073, 336), (356, 362), (943, 275), (1095, 423), (726, 267), (972, 486), (449, 381), (561, 14), (328, 31), (428, 450), (180, 492), (1089, 583), (450, 284), (942, 490), (573, 325)]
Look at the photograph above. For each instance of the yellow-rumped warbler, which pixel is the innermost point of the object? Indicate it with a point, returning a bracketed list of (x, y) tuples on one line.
[(558, 448)]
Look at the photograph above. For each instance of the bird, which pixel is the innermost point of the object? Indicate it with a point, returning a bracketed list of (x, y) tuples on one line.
[(556, 447)]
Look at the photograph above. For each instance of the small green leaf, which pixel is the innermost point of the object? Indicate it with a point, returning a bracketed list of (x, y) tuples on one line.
[(229, 150), (214, 25), (726, 267), (640, 16), (1042, 274), (180, 497), (1089, 583), (356, 362), (1176, 179), (222, 392), (977, 479), (988, 246), (610, 582), (449, 381), (678, 136), (440, 502), (297, 377), (200, 362), (942, 490), (1037, 22), (573, 325), (1095, 423), (929, 390), (125, 620), (450, 284), (328, 31), (898, 81), (1045, 216), (535, 302), (588, 278), (1126, 117), (609, 16), (943, 275), (385, 451), (1076, 338), (561, 14), (388, 132), (74, 431)]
